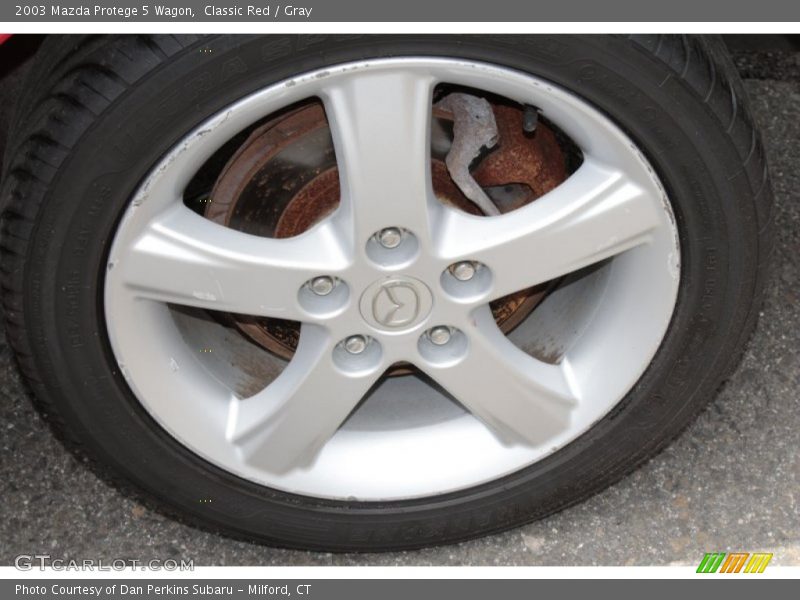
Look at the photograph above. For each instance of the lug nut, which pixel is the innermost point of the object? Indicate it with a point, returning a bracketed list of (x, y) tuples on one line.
[(355, 344), (439, 335), (390, 237), (322, 286), (464, 270)]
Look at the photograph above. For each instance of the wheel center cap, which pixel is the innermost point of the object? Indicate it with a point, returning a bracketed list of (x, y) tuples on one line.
[(396, 303)]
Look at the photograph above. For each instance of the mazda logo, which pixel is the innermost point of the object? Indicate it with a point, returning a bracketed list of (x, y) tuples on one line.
[(396, 304)]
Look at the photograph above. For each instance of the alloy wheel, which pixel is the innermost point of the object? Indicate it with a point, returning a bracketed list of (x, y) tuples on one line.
[(394, 276)]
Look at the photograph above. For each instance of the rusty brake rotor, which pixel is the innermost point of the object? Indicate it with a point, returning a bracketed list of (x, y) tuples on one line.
[(283, 179)]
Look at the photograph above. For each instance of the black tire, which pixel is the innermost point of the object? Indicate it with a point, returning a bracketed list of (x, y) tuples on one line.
[(97, 112)]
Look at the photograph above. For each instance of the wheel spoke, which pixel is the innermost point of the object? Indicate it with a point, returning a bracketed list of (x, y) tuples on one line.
[(285, 425), (380, 123), (520, 398), (595, 214), (185, 259)]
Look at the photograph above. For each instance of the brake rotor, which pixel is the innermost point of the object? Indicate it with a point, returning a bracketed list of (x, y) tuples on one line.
[(283, 179)]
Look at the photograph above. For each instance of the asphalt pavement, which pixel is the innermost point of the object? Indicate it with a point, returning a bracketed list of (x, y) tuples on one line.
[(731, 482)]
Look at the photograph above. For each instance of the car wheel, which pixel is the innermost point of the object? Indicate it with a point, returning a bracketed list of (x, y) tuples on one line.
[(379, 292)]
